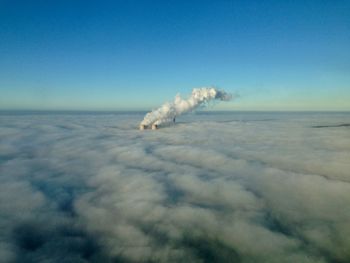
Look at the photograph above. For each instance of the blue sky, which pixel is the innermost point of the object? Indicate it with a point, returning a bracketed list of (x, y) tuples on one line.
[(106, 55)]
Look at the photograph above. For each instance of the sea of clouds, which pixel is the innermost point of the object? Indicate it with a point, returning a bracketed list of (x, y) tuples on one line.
[(214, 187)]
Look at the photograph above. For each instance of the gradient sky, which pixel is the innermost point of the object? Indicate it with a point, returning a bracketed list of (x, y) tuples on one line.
[(112, 55)]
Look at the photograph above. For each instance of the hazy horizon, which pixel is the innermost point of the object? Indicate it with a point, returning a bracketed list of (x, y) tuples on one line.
[(144, 111)]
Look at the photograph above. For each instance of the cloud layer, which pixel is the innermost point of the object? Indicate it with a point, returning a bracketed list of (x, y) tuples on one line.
[(216, 187)]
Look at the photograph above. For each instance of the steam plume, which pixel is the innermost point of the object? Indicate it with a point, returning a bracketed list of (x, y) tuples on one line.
[(169, 111)]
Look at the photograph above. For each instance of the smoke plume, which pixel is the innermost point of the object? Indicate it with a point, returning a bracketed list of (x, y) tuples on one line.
[(169, 111)]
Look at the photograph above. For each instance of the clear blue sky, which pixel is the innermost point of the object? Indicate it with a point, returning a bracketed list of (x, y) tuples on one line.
[(105, 55)]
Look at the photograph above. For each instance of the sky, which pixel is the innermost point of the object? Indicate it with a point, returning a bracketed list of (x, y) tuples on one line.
[(134, 55)]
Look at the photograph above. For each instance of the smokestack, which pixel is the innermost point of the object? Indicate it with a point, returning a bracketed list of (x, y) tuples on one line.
[(169, 111)]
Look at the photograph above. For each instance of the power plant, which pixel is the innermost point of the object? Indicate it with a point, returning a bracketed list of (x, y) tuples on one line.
[(167, 113)]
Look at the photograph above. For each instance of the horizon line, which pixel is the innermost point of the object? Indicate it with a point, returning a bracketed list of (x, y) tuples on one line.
[(148, 110)]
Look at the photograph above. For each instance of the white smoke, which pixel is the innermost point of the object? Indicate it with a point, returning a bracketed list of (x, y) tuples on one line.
[(169, 111)]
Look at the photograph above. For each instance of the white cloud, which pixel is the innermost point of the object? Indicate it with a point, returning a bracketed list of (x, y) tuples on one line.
[(248, 187)]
